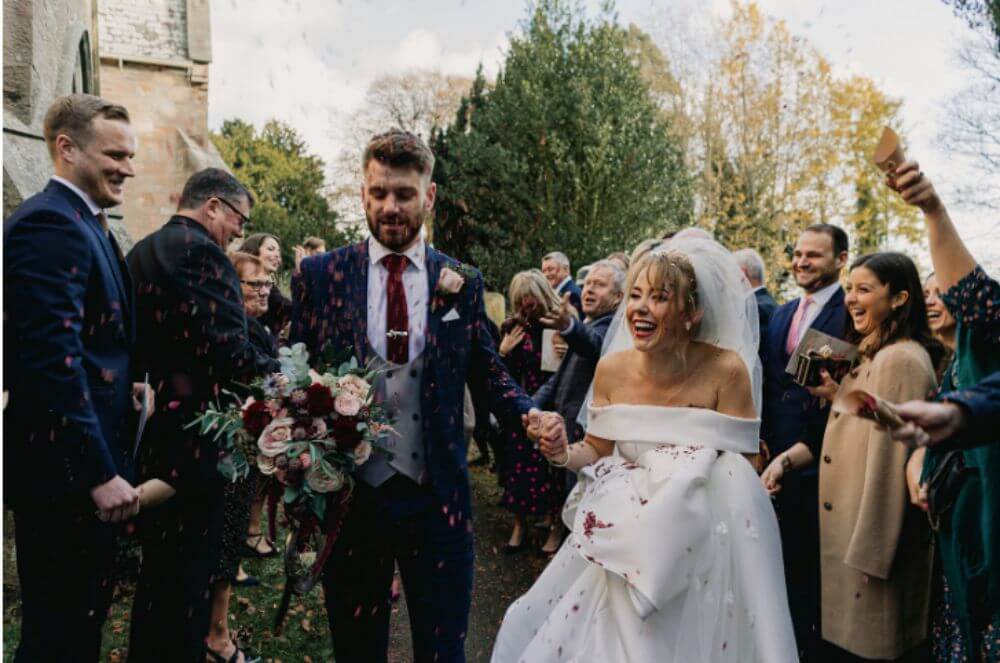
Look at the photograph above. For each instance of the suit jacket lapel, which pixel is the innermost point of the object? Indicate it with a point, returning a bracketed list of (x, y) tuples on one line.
[(784, 323), (108, 246), (358, 283), (434, 265), (823, 319)]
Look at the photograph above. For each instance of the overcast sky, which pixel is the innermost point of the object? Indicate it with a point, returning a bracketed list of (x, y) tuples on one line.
[(308, 62)]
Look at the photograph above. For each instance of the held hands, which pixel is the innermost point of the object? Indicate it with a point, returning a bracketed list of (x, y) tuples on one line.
[(549, 431), (561, 318), (116, 500), (511, 340), (827, 389), (914, 187), (928, 423)]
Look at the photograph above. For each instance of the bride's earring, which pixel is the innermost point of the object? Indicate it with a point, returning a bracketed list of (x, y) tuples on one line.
[(687, 325)]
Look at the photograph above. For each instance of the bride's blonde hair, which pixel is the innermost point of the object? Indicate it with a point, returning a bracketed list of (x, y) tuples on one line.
[(671, 271)]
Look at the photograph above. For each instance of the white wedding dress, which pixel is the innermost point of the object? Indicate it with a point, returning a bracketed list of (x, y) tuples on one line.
[(674, 554)]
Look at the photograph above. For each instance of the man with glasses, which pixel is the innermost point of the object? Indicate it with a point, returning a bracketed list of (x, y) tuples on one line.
[(193, 340)]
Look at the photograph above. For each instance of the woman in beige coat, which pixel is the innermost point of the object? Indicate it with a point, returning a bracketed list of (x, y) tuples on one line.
[(875, 545)]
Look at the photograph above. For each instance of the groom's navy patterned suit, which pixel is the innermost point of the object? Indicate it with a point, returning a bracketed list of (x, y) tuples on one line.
[(68, 332), (421, 521)]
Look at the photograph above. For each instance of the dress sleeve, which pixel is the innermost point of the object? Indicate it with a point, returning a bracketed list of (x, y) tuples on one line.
[(975, 303), (901, 374)]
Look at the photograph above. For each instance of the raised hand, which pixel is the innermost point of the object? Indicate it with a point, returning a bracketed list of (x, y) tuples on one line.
[(116, 500), (914, 187), (511, 340), (561, 318), (300, 255)]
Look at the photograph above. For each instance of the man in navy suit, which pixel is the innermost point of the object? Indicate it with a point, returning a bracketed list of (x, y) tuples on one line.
[(396, 301), (752, 266), (794, 421), (555, 266), (68, 327)]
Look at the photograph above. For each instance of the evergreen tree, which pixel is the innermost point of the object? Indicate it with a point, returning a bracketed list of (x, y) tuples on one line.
[(567, 151), (285, 179)]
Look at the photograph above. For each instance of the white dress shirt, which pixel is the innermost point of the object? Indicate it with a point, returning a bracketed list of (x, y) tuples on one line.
[(820, 298), (562, 284), (417, 296), (91, 205)]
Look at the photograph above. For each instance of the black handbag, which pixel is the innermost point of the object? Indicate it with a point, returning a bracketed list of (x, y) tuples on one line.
[(944, 484)]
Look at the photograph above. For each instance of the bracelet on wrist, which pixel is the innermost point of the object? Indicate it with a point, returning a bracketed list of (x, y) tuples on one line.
[(563, 463), (786, 462)]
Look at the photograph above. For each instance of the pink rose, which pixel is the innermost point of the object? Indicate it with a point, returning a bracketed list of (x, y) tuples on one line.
[(305, 459), (274, 440), (324, 478), (266, 465), (354, 384), (450, 281), (362, 452), (347, 404)]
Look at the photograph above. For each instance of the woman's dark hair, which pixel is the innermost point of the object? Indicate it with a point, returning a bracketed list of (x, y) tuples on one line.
[(252, 243), (909, 321)]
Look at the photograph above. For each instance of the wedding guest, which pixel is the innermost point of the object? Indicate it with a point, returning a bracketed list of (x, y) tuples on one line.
[(621, 259), (310, 246), (255, 284), (566, 390), (968, 536), (279, 307), (793, 420), (193, 339), (875, 545), (531, 487), (752, 266), (314, 246), (942, 323), (555, 267), (68, 331)]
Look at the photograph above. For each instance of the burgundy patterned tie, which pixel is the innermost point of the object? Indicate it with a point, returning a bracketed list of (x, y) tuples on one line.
[(396, 315)]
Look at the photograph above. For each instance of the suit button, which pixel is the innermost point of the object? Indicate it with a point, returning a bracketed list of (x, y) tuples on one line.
[(826, 459), (827, 506)]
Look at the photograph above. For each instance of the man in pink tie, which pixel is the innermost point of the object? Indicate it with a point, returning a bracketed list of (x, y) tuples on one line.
[(793, 421)]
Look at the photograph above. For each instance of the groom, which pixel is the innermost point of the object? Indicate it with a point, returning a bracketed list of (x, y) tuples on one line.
[(395, 300)]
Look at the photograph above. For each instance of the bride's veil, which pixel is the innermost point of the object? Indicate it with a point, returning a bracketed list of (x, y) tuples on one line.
[(729, 319)]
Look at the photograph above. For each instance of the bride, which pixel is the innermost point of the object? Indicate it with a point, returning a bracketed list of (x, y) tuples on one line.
[(674, 554)]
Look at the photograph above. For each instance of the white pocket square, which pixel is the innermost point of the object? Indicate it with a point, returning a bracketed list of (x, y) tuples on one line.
[(450, 315)]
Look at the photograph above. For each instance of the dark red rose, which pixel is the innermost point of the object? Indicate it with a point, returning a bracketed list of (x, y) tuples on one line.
[(345, 432), (255, 418), (319, 401)]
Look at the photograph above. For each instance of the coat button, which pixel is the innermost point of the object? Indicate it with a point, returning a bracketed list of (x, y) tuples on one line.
[(827, 506), (826, 459)]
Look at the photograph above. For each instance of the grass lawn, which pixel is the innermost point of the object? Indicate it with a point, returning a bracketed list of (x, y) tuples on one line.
[(498, 581)]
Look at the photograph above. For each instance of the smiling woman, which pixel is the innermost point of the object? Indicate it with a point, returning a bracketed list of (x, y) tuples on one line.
[(877, 553)]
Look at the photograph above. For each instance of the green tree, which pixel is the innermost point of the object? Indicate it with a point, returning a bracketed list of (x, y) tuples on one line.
[(286, 180), (568, 151)]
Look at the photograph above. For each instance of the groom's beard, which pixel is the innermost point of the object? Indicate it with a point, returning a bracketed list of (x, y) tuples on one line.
[(396, 232)]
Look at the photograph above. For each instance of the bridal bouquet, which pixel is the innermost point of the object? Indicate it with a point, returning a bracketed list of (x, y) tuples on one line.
[(309, 429)]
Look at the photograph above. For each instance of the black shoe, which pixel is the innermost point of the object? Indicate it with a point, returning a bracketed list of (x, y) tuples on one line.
[(508, 549), (482, 461)]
